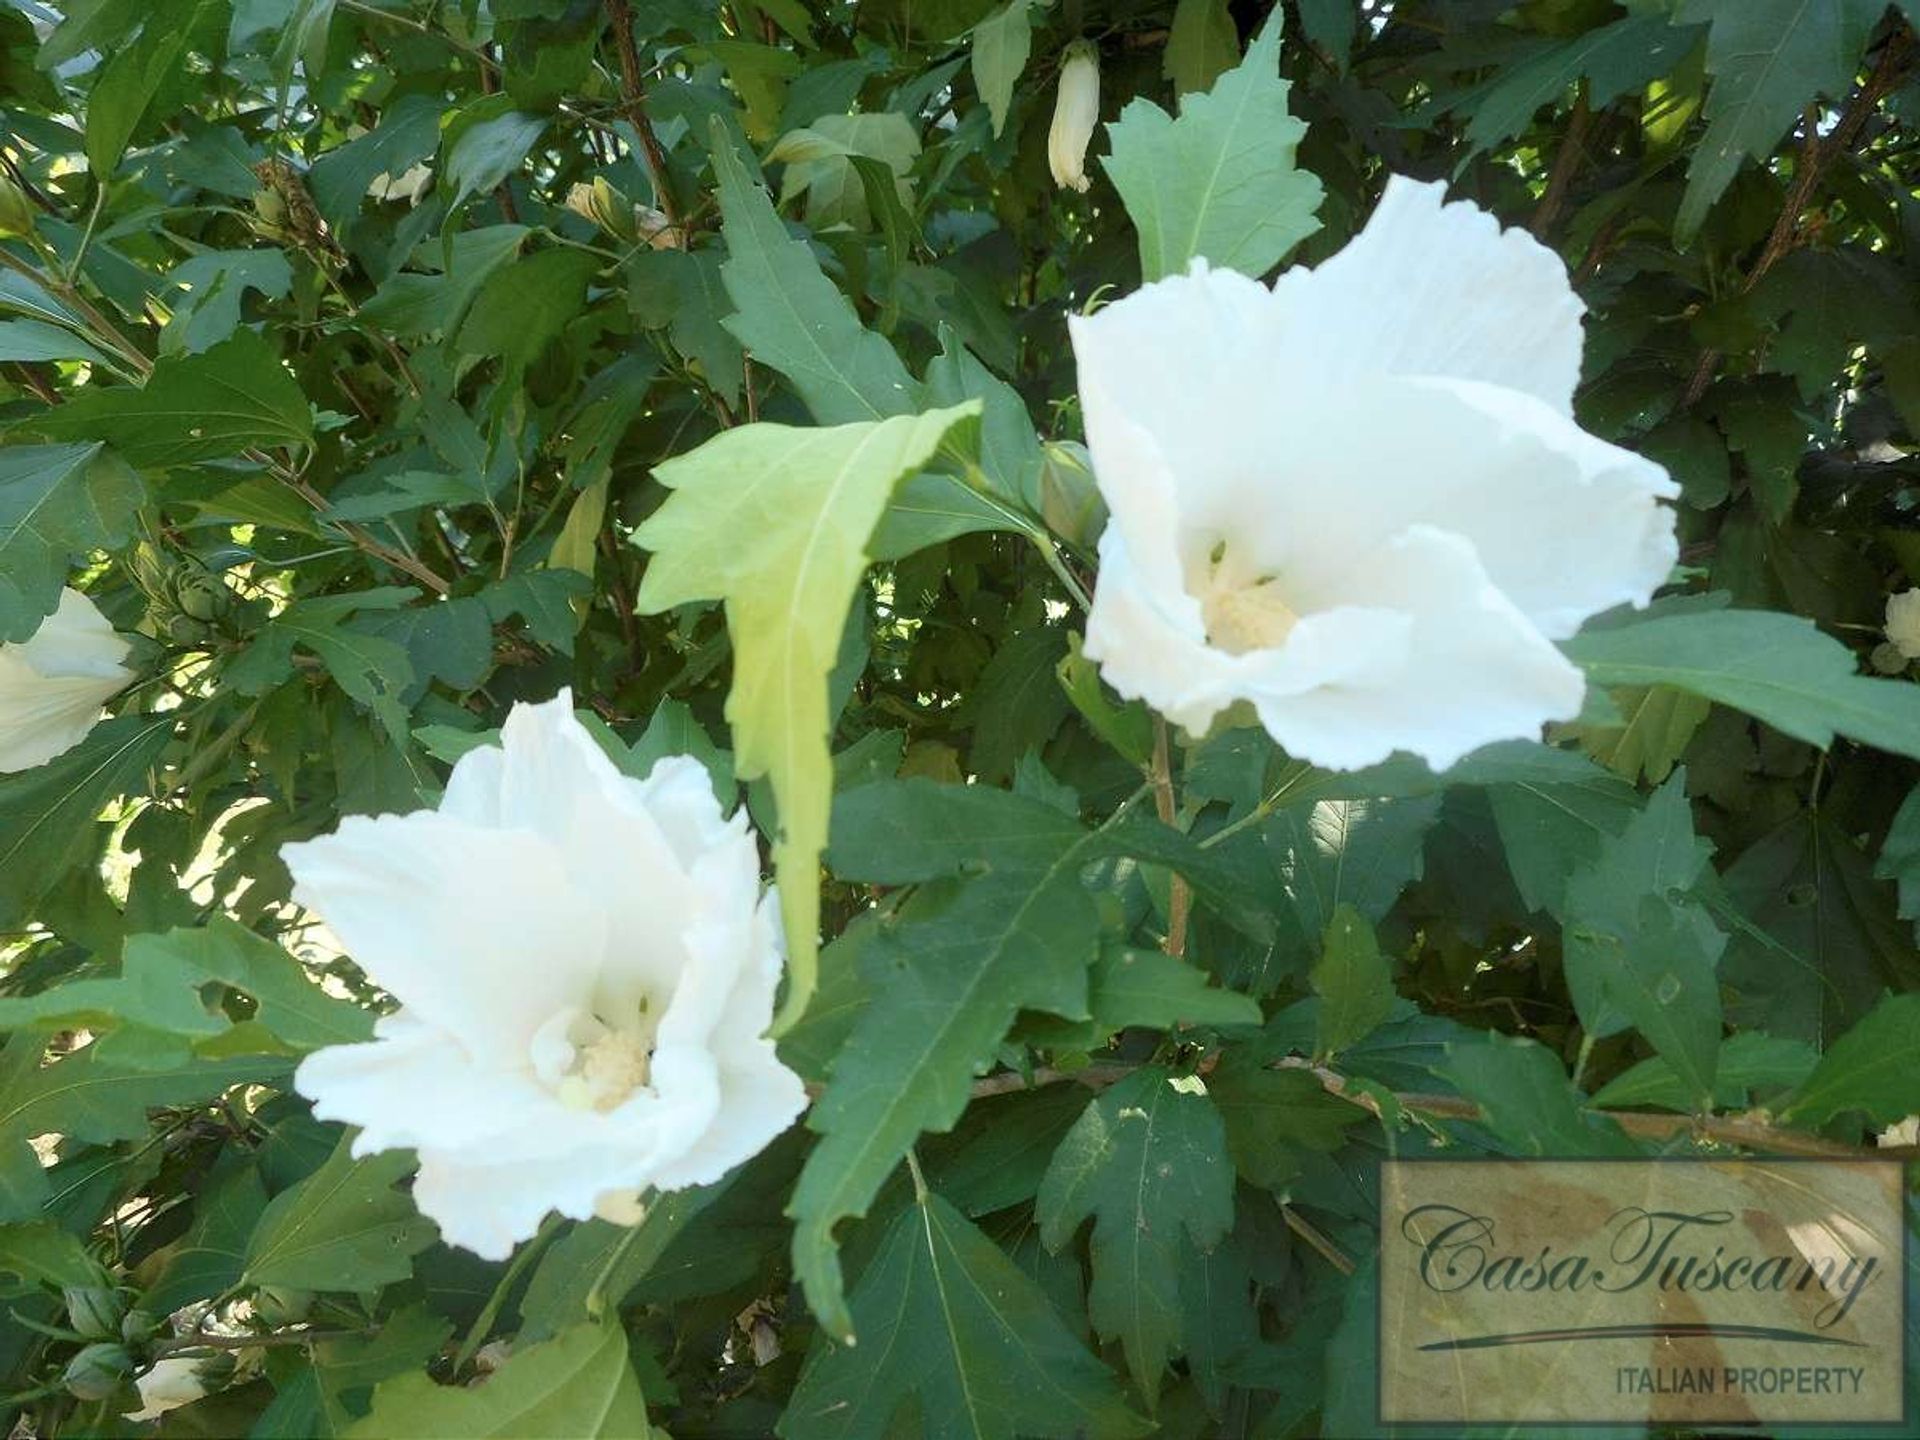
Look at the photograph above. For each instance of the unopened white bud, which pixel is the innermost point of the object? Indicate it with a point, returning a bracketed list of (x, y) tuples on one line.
[(1076, 110)]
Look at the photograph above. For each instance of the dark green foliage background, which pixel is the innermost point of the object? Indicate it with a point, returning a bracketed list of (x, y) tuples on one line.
[(363, 472)]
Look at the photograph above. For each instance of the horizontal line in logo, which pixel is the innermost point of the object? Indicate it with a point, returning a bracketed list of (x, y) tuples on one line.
[(1670, 1331)]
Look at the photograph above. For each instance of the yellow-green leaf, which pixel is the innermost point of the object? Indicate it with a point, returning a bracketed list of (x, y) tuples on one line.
[(774, 520)]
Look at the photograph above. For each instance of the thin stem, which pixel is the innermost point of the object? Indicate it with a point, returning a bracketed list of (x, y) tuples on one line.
[(634, 98), (597, 1294), (1753, 1131), (86, 235), (1324, 1247), (483, 1322), (920, 1191), (407, 22), (1580, 1063), (1051, 554), (1259, 812), (255, 1342), (1179, 894), (1816, 153)]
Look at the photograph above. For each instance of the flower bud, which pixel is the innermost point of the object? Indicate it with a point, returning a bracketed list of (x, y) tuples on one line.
[(16, 214), (1076, 110), (93, 1311), (279, 1306), (138, 1326), (1070, 501), (97, 1371)]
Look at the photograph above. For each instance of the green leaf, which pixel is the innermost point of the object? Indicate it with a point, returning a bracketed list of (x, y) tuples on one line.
[(964, 1333), (1148, 987), (1900, 856), (1869, 1069), (159, 987), (486, 143), (323, 1400), (1778, 668), (1001, 44), (47, 814), (408, 304), (949, 970), (1220, 181), (1125, 725), (206, 291), (37, 340), (408, 132), (1658, 722), (344, 1227), (192, 408), (1276, 1119), (1768, 58), (126, 86), (1637, 951), (212, 1255), (38, 1252), (823, 162), (790, 315), (56, 503), (1146, 1161), (1813, 941), (599, 1263), (371, 669), (958, 960), (1017, 702), (1527, 1101), (1614, 59), (1353, 981), (579, 1384), (775, 521), (523, 308), (1202, 43), (94, 1099), (1749, 1061)]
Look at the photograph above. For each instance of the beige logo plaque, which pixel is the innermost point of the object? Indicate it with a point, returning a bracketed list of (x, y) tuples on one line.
[(1754, 1291)]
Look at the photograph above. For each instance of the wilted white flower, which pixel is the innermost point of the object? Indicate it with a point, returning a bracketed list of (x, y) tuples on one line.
[(586, 968), (1903, 623), (53, 683), (173, 1381), (1901, 1132), (1358, 501), (600, 203), (1076, 110), (409, 185)]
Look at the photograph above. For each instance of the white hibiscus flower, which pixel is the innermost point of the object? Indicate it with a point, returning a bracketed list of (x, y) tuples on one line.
[(586, 967), (1903, 623), (1358, 501), (170, 1383), (53, 684)]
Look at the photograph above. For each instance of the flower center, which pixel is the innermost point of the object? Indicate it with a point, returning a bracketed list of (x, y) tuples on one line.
[(1242, 603), (1248, 617), (591, 1065)]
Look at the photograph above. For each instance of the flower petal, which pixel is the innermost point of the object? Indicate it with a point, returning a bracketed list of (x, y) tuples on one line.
[(1428, 288), (415, 1085), (1566, 524), (466, 926), (54, 683), (759, 1097), (630, 844), (1475, 670), (1192, 364)]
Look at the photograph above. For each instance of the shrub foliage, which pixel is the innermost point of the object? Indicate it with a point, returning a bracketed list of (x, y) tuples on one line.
[(354, 353)]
